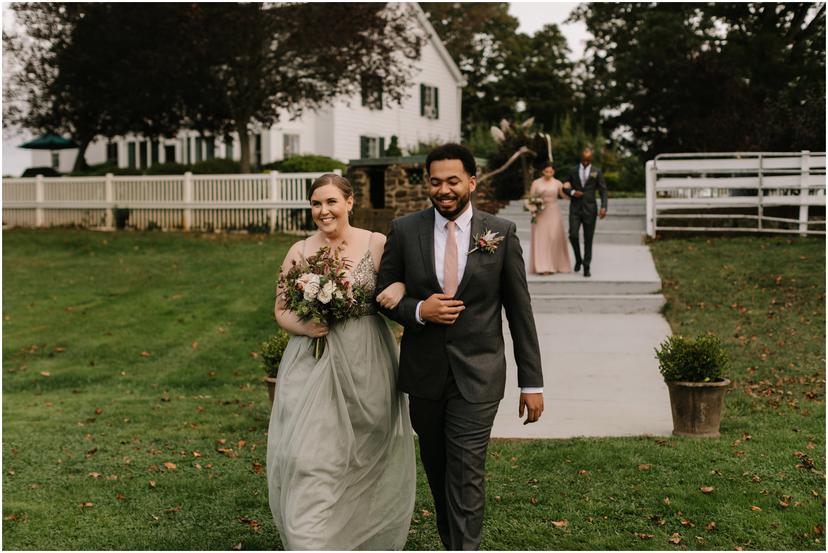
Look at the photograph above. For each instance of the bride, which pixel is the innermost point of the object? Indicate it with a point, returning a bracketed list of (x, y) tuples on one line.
[(340, 450)]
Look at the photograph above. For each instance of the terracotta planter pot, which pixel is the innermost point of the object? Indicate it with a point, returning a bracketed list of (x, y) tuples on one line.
[(697, 407), (271, 387)]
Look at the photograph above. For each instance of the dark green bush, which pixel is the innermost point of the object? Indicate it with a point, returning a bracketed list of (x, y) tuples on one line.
[(171, 168), (216, 165), (688, 360), (271, 352), (306, 164)]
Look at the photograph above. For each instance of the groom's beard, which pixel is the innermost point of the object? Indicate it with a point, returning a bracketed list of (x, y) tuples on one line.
[(462, 202)]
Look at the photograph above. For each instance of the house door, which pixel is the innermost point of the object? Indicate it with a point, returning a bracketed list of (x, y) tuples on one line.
[(376, 176)]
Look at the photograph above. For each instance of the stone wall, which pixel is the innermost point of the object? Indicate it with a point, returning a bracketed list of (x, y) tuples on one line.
[(401, 195)]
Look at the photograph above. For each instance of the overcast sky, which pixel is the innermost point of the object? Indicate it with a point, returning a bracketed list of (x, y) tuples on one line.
[(532, 16)]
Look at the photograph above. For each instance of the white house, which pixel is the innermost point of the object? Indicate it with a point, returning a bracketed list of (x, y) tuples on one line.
[(349, 128)]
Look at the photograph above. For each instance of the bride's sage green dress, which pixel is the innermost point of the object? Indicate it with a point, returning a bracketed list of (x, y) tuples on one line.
[(340, 449)]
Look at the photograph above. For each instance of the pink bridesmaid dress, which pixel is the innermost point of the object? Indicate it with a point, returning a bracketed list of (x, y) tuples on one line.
[(550, 248)]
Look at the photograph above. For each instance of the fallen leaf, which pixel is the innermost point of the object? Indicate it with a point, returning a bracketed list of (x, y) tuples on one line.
[(257, 468), (196, 454), (497, 498), (152, 483), (112, 477), (666, 500), (194, 345), (711, 525), (560, 523), (59, 350), (98, 410), (533, 501), (45, 373), (173, 509), (242, 443), (675, 538), (87, 504), (425, 513), (707, 489), (645, 466), (818, 530), (145, 354), (119, 496), (686, 522), (583, 471), (237, 547), (12, 518), (254, 355), (755, 508), (642, 536), (170, 466), (95, 474)]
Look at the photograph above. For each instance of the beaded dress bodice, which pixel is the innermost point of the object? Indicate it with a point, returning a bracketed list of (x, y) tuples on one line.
[(365, 277)]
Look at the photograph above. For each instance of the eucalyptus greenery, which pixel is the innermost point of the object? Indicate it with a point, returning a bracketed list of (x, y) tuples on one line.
[(689, 360)]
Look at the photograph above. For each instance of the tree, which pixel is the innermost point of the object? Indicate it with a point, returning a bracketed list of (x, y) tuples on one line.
[(482, 39), (708, 77), (108, 69), (272, 59)]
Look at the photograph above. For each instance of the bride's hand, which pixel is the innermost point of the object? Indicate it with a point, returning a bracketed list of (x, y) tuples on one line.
[(315, 329), (391, 296)]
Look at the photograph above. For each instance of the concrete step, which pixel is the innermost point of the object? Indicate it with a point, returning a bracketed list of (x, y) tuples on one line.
[(608, 223), (602, 303), (581, 285), (626, 237)]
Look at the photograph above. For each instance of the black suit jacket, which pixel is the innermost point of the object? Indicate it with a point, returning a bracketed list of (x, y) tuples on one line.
[(472, 348), (586, 204)]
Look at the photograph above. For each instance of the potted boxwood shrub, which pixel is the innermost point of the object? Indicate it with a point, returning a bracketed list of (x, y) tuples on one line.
[(270, 354), (693, 372)]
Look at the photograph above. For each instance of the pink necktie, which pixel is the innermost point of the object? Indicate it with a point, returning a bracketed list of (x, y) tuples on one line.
[(450, 265)]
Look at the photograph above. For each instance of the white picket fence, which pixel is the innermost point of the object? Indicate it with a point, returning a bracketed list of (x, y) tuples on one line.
[(735, 186), (277, 201)]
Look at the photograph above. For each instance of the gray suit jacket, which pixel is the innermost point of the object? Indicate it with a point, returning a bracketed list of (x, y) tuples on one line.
[(472, 348)]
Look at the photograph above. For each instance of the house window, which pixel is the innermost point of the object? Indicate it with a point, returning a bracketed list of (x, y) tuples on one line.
[(187, 154), (291, 146), (198, 145), (112, 153), (169, 153), (154, 152), (211, 147), (142, 148), (257, 153), (131, 155), (228, 149), (55, 160), (429, 101), (371, 146), (371, 92)]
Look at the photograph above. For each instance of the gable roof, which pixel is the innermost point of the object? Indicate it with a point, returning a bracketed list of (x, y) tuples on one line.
[(438, 44)]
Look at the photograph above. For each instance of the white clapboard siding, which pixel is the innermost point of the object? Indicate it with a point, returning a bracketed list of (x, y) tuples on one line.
[(273, 201), (735, 181)]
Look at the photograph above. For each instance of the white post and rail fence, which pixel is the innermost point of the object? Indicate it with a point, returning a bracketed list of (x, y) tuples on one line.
[(273, 201), (765, 192)]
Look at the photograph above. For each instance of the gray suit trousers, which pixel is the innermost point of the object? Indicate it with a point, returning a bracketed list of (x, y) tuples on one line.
[(454, 436)]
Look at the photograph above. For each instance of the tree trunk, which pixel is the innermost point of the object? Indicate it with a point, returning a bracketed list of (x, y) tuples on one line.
[(80, 161), (244, 141)]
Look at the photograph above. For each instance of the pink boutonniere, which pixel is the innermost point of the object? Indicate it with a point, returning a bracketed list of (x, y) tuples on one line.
[(488, 242)]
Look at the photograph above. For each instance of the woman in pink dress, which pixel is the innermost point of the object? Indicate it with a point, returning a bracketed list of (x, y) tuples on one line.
[(550, 249)]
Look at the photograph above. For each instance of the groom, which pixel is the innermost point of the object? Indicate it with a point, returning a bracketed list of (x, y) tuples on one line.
[(583, 181), (452, 361)]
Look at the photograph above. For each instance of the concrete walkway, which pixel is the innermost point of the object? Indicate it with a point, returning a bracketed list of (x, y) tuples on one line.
[(597, 337)]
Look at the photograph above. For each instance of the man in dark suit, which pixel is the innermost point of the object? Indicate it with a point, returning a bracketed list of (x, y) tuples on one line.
[(452, 361), (583, 181)]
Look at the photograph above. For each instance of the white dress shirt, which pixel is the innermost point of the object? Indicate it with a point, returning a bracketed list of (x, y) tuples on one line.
[(583, 172), (463, 237)]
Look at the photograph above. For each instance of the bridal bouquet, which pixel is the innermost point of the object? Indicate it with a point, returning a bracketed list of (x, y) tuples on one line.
[(534, 205), (316, 289)]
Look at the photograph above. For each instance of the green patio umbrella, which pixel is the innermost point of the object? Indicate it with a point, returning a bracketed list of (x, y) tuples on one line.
[(49, 141)]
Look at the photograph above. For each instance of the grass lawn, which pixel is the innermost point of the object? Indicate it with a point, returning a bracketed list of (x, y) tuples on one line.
[(134, 416)]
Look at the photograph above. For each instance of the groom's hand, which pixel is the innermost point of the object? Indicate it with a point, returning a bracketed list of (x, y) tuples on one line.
[(441, 309), (534, 407)]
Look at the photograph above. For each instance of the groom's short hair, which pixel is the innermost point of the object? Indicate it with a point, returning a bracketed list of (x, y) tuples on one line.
[(453, 151)]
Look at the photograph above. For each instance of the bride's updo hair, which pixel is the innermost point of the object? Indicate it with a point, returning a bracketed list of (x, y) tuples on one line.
[(332, 178)]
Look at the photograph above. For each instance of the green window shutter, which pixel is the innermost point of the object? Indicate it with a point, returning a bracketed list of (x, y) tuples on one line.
[(363, 147), (436, 103), (422, 99), (382, 146)]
